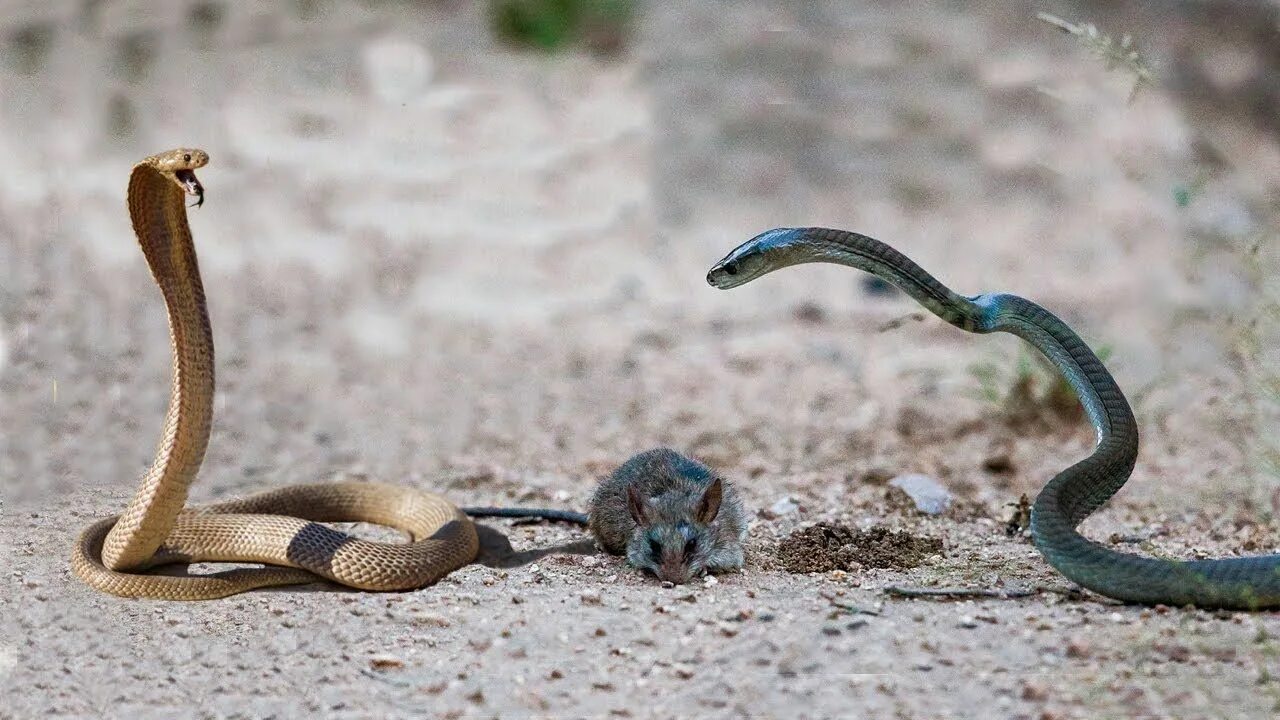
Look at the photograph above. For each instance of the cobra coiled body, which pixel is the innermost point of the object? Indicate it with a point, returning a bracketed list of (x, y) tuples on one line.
[(280, 528)]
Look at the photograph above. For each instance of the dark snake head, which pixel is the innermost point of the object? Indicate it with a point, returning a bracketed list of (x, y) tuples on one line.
[(762, 254)]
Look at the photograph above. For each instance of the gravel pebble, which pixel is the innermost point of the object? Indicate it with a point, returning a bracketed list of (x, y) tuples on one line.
[(929, 496)]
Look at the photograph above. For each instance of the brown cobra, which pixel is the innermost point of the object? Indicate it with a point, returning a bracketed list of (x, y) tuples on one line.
[(279, 527)]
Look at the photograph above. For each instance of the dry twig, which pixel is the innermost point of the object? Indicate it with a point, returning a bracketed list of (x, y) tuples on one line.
[(1113, 54)]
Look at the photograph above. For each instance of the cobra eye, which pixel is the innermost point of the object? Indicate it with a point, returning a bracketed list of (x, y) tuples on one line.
[(186, 157), (731, 268)]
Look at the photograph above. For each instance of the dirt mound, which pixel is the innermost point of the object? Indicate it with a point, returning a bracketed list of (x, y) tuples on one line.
[(827, 546)]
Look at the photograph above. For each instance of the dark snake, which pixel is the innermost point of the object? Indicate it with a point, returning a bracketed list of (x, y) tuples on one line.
[(1242, 583)]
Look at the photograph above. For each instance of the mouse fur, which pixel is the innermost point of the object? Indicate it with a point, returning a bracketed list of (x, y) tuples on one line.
[(671, 516)]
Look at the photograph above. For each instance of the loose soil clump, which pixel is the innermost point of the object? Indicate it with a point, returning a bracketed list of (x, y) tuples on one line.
[(829, 546)]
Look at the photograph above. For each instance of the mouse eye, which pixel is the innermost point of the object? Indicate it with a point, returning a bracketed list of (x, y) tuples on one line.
[(655, 548), (690, 548), (186, 157)]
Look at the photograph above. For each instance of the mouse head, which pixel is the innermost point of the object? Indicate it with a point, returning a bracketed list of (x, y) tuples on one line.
[(673, 537)]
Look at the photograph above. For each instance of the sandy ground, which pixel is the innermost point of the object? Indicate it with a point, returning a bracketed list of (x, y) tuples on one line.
[(432, 262)]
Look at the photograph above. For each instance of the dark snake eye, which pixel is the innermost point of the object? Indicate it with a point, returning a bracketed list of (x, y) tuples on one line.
[(655, 548), (186, 157), (690, 547), (731, 268)]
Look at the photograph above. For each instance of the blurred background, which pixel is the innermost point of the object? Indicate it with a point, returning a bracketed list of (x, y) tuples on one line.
[(468, 239)]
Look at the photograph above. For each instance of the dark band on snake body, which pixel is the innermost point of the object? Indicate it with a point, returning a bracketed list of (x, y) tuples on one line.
[(1247, 583)]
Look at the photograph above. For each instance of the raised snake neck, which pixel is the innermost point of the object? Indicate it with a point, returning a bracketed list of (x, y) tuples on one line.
[(279, 527), (1233, 583)]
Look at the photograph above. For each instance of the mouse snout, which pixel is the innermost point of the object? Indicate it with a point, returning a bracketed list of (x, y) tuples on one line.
[(674, 572)]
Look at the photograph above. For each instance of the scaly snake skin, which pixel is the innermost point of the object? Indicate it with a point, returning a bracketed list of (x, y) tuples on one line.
[(278, 528), (1244, 583)]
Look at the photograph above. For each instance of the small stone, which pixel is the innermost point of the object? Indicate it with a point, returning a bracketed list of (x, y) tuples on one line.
[(829, 630), (1077, 648), (1000, 464), (385, 662), (930, 497), (591, 597), (1034, 691), (667, 584), (709, 581), (1175, 652), (877, 476), (555, 675), (784, 506), (967, 622), (684, 671)]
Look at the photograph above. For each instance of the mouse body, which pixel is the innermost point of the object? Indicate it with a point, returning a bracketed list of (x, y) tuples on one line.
[(671, 516), (668, 514)]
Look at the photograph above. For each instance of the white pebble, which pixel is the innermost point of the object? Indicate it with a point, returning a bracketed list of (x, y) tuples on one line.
[(928, 494), (785, 506)]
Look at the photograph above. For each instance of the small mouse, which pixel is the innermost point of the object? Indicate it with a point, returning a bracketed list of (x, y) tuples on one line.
[(668, 514)]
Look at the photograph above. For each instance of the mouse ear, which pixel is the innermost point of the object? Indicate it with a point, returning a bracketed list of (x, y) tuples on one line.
[(709, 506), (636, 506)]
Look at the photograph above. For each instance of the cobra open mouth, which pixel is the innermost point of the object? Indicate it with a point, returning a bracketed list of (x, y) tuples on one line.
[(187, 178)]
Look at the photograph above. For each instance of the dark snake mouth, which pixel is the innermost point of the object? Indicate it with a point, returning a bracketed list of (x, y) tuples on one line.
[(189, 183)]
